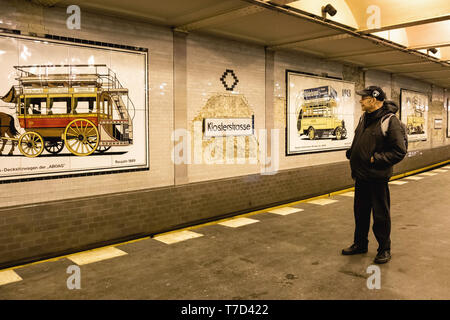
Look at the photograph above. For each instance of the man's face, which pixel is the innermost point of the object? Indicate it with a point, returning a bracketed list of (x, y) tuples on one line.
[(367, 103)]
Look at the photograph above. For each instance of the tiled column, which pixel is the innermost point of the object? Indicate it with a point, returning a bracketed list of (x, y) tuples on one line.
[(180, 97), (269, 116)]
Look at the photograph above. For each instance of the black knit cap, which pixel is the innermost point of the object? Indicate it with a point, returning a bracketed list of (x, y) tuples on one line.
[(373, 91)]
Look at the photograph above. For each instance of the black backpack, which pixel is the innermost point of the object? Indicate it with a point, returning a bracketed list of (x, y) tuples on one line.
[(385, 126)]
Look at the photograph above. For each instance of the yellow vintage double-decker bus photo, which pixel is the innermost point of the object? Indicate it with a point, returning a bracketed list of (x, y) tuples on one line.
[(415, 121), (317, 116)]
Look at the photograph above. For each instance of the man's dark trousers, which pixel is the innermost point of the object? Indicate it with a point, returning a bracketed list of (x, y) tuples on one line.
[(372, 196)]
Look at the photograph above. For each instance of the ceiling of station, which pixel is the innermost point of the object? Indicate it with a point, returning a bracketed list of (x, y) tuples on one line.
[(398, 13), (285, 25)]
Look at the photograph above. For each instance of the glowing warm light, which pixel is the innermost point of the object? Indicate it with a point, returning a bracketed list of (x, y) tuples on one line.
[(25, 53)]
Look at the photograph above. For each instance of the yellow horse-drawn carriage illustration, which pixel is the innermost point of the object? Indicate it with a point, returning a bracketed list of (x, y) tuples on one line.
[(81, 107)]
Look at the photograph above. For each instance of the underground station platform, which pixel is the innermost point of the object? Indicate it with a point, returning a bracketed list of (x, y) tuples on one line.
[(224, 151), (290, 252)]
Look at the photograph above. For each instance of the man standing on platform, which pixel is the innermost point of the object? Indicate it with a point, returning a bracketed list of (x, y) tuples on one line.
[(372, 156)]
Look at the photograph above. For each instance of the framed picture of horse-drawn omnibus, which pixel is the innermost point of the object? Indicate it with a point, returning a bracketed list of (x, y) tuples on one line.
[(414, 113), (71, 108), (319, 113)]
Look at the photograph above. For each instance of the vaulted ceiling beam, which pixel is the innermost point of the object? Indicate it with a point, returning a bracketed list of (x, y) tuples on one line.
[(398, 64), (310, 41), (220, 18), (407, 24), (423, 71), (438, 45), (358, 53)]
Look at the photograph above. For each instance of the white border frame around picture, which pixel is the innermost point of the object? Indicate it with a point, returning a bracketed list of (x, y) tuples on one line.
[(319, 89), (409, 99), (131, 68)]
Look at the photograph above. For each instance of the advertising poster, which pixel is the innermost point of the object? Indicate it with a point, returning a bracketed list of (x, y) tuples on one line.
[(414, 113), (448, 117), (67, 108), (320, 113)]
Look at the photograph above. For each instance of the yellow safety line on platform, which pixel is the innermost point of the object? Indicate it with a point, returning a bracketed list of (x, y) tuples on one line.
[(297, 202), (65, 256), (409, 173)]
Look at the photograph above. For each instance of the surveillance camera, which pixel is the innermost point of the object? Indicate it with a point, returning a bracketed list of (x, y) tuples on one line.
[(329, 9), (433, 50)]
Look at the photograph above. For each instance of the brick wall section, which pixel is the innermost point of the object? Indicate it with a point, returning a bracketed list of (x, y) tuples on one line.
[(45, 230), (422, 158)]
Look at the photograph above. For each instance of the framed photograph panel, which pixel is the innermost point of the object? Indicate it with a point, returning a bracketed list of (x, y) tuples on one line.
[(448, 117), (414, 114), (71, 108), (320, 113)]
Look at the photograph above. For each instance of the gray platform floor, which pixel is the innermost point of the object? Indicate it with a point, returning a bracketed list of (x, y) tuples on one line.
[(296, 256)]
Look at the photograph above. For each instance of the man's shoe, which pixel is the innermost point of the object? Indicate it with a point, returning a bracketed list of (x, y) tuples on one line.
[(383, 257), (354, 249)]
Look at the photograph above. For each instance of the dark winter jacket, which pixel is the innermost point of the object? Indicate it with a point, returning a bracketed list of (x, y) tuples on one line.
[(369, 141)]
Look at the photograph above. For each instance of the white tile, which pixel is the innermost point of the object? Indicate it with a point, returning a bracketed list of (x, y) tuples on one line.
[(238, 222), (322, 202), (440, 170), (175, 237), (398, 182), (285, 211), (95, 255), (413, 178), (9, 276), (428, 174), (348, 194)]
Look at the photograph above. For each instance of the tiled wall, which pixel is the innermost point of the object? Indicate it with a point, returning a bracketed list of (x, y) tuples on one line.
[(50, 229), (301, 63), (82, 212), (106, 29), (208, 58)]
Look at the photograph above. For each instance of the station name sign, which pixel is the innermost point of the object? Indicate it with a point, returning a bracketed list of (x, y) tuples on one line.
[(220, 127)]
